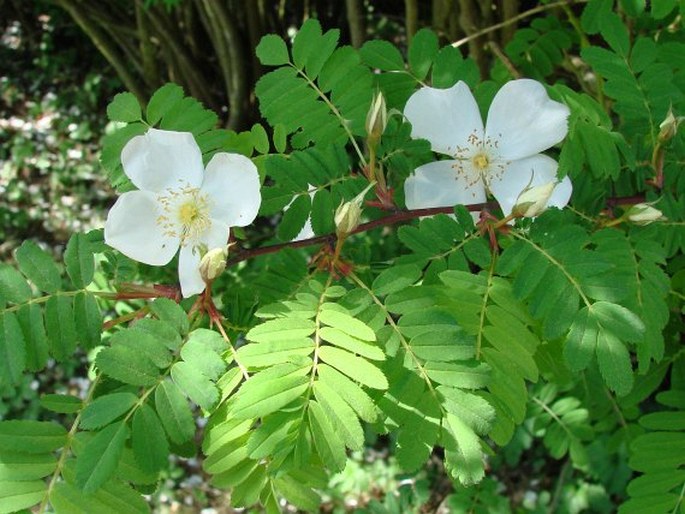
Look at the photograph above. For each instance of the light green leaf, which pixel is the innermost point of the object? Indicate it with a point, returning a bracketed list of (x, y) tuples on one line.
[(15, 496), (203, 352), (165, 98), (62, 403), (280, 138), (31, 436), (328, 444), (194, 384), (260, 355), (356, 368), (464, 376), (272, 51), (345, 323), (172, 408), (269, 390), (354, 395), (26, 466), (149, 441), (298, 493), (342, 340), (341, 416), (124, 107), (105, 409), (38, 267), (148, 345), (283, 329), (12, 349), (171, 313), (465, 459), (260, 138), (396, 278), (98, 460), (78, 259)]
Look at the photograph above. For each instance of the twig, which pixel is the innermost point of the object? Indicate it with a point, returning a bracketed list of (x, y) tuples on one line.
[(515, 19)]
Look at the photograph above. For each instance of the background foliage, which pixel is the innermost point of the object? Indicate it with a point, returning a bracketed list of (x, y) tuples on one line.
[(431, 370)]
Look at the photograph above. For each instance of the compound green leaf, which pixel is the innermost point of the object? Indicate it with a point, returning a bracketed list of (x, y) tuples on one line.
[(31, 436), (79, 261), (356, 368), (15, 496), (105, 409), (328, 444), (26, 466), (13, 287), (12, 349), (38, 267), (99, 458), (162, 101), (60, 326), (124, 107), (272, 51), (193, 383), (172, 408), (149, 442)]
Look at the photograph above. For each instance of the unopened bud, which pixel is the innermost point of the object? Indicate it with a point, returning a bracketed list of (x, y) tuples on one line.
[(377, 117), (669, 127), (533, 200), (644, 214), (213, 264), (347, 215)]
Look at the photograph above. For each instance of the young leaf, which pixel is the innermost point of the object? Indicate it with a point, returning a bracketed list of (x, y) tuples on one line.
[(38, 267), (331, 449), (78, 259), (124, 107), (356, 368), (149, 441), (99, 458)]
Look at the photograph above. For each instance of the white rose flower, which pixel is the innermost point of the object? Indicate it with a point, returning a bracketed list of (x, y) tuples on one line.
[(179, 204), (501, 157)]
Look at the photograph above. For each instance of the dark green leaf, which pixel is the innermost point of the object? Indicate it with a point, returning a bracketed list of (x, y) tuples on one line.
[(31, 436), (12, 349), (13, 287), (172, 408), (62, 403), (105, 409), (162, 101), (149, 441), (422, 50)]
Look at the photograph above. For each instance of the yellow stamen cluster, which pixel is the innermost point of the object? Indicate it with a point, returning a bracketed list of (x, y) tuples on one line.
[(185, 213)]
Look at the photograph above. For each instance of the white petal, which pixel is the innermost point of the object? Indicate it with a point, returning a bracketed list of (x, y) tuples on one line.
[(189, 271), (162, 159), (132, 228), (525, 120), (232, 182), (307, 231), (534, 171), (437, 184), (189, 258), (445, 117), (561, 194)]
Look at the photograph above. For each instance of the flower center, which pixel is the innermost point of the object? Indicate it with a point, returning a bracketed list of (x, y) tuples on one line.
[(478, 160), (185, 213), (481, 161)]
